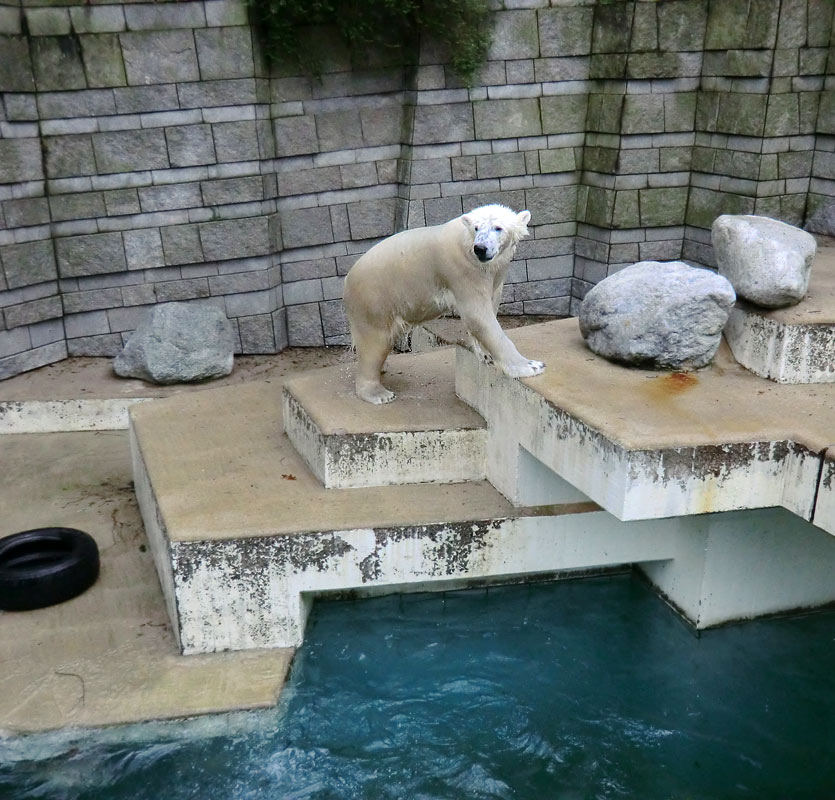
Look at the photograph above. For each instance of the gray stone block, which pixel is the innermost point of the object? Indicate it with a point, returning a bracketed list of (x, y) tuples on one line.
[(371, 218), (32, 312), (85, 103), (309, 181), (20, 160), (130, 151), (28, 263), (502, 119), (565, 31), (232, 190), (139, 295), (339, 130), (93, 254), (179, 342), (57, 63), (47, 332), (209, 94), (224, 53), (295, 136), (143, 248), (257, 334), (564, 113), (102, 56), (304, 227), (301, 270), (121, 201), (442, 209), (334, 319), (26, 211), (159, 57), (238, 238), (20, 107), (47, 21), (681, 25), (139, 99), (250, 303), (190, 145), (552, 204), (106, 345), (501, 165), (68, 156), (16, 65), (181, 244), (443, 123), (97, 19), (93, 300), (255, 281), (164, 16), (236, 141), (304, 326), (169, 196), (515, 35), (14, 341), (89, 323), (381, 125), (84, 205), (549, 307), (188, 289), (32, 359)]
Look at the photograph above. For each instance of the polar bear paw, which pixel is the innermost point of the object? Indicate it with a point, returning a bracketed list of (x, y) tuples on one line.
[(375, 394), (526, 369)]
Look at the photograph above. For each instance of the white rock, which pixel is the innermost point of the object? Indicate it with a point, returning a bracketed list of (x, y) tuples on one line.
[(658, 315), (767, 261)]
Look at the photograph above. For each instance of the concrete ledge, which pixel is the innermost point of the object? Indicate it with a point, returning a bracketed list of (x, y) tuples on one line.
[(427, 435), (649, 444), (794, 344)]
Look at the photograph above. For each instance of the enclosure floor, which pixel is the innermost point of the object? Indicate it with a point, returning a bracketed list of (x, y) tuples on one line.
[(107, 656)]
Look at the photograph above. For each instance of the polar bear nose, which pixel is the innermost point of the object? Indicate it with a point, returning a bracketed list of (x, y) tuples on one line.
[(481, 252)]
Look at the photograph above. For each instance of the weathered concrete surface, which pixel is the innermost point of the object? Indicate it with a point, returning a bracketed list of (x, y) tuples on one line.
[(646, 444), (430, 436), (108, 656), (84, 394), (794, 344)]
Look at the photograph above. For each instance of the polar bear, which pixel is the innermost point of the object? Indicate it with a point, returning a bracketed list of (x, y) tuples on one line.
[(421, 274)]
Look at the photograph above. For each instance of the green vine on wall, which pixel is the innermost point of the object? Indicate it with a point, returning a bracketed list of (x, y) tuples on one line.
[(291, 31)]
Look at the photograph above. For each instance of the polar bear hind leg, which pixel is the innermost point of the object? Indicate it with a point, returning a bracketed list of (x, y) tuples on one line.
[(373, 346)]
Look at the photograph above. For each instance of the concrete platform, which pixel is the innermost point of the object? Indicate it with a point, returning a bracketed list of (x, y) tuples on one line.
[(652, 444), (108, 656), (427, 435), (84, 394), (794, 344)]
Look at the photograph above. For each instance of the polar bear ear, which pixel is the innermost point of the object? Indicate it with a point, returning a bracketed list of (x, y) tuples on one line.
[(522, 220), (469, 222)]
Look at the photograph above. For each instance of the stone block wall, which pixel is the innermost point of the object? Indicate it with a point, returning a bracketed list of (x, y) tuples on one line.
[(147, 155)]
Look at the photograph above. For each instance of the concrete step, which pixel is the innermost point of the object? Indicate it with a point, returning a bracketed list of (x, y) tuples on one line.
[(427, 435), (794, 344)]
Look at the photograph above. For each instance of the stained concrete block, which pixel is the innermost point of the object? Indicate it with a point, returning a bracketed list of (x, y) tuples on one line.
[(143, 249), (239, 238), (502, 119), (564, 113), (236, 141), (443, 123), (224, 52), (16, 73), (33, 311), (130, 151), (102, 56), (190, 145), (57, 63), (304, 326), (26, 211), (295, 136), (181, 244), (159, 57), (306, 226), (28, 263), (20, 160), (93, 254), (371, 218), (565, 31), (515, 35)]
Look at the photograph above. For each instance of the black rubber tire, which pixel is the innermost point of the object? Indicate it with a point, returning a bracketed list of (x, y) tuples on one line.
[(45, 566)]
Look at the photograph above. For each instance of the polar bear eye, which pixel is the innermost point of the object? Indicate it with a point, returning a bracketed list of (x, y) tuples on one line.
[(498, 229)]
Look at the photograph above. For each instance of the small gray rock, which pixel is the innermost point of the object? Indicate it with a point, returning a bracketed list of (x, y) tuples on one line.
[(658, 315), (179, 342), (823, 220), (767, 261)]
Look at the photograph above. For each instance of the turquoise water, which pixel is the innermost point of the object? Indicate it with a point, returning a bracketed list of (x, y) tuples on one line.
[(578, 689)]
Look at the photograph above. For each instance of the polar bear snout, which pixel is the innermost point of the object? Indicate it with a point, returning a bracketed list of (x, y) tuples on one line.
[(481, 252)]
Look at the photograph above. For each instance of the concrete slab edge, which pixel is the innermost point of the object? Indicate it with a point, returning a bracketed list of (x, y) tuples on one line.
[(59, 416)]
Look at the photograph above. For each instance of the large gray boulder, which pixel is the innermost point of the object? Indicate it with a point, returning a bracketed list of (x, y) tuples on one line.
[(658, 315), (767, 261), (179, 342)]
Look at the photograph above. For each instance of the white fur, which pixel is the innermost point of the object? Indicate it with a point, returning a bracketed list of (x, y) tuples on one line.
[(421, 274)]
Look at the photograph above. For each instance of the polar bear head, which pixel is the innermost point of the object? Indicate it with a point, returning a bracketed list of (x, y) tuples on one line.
[(495, 229)]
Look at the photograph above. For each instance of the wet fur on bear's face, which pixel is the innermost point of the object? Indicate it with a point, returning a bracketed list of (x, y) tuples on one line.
[(494, 229)]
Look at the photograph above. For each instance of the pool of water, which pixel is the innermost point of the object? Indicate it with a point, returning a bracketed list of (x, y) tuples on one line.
[(577, 689)]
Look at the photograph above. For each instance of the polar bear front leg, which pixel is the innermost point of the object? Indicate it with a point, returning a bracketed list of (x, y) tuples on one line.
[(485, 329), (372, 346)]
